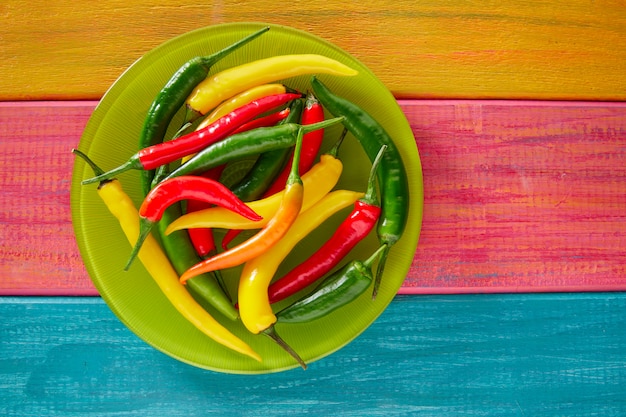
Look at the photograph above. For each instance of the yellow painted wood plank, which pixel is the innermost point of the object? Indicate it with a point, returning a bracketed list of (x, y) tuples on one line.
[(543, 49)]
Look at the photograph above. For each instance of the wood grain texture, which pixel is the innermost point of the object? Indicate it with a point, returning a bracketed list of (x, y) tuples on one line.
[(38, 252), (433, 48), (464, 355), (519, 196)]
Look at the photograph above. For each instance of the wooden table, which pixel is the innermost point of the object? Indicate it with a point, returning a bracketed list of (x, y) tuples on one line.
[(513, 305)]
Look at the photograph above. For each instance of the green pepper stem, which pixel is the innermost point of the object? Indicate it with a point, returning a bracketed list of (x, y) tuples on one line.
[(334, 151), (132, 163), (294, 173), (212, 59), (371, 196), (271, 333), (370, 261), (96, 169), (145, 226), (380, 269), (321, 125)]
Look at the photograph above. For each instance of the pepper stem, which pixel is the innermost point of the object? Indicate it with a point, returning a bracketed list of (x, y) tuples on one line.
[(132, 163), (96, 169), (145, 226), (294, 173), (370, 261), (371, 197), (321, 125), (335, 149), (212, 59), (271, 333)]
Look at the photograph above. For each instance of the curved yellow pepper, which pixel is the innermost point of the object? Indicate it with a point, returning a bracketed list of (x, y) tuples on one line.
[(317, 182), (254, 305), (159, 267), (219, 87)]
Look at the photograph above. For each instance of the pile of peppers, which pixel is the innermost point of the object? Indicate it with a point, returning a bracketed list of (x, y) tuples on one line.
[(287, 193)]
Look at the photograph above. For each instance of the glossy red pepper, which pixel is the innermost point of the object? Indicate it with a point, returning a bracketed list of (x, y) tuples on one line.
[(313, 112), (163, 153), (180, 188), (265, 121), (351, 231)]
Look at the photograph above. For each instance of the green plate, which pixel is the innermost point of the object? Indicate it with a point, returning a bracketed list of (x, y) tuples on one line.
[(111, 136)]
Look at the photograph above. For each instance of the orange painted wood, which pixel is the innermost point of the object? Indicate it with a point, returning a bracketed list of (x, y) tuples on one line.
[(557, 49), (519, 196)]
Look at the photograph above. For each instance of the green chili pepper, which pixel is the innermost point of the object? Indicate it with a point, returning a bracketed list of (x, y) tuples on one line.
[(173, 95), (392, 177), (245, 144), (339, 289), (268, 165)]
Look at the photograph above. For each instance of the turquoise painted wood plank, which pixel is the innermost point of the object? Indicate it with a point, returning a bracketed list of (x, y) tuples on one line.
[(464, 355)]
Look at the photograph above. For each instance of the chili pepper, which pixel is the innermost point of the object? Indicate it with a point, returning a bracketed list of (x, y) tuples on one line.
[(351, 231), (254, 307), (313, 112), (218, 87), (181, 188), (159, 267), (392, 176), (170, 151), (342, 287), (320, 179), (173, 95), (266, 121), (272, 232), (246, 144)]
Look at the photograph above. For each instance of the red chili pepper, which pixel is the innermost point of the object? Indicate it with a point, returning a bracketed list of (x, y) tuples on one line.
[(163, 153), (313, 112), (185, 187), (265, 121), (352, 230)]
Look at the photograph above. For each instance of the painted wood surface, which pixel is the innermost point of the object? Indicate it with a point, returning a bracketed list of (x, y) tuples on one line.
[(428, 49), (519, 196), (465, 355)]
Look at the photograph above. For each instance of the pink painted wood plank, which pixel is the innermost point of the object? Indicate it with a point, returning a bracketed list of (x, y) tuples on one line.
[(519, 196), (38, 253)]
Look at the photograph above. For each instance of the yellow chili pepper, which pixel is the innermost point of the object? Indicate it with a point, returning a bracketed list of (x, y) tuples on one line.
[(317, 182), (219, 87), (254, 305), (161, 270), (269, 235)]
